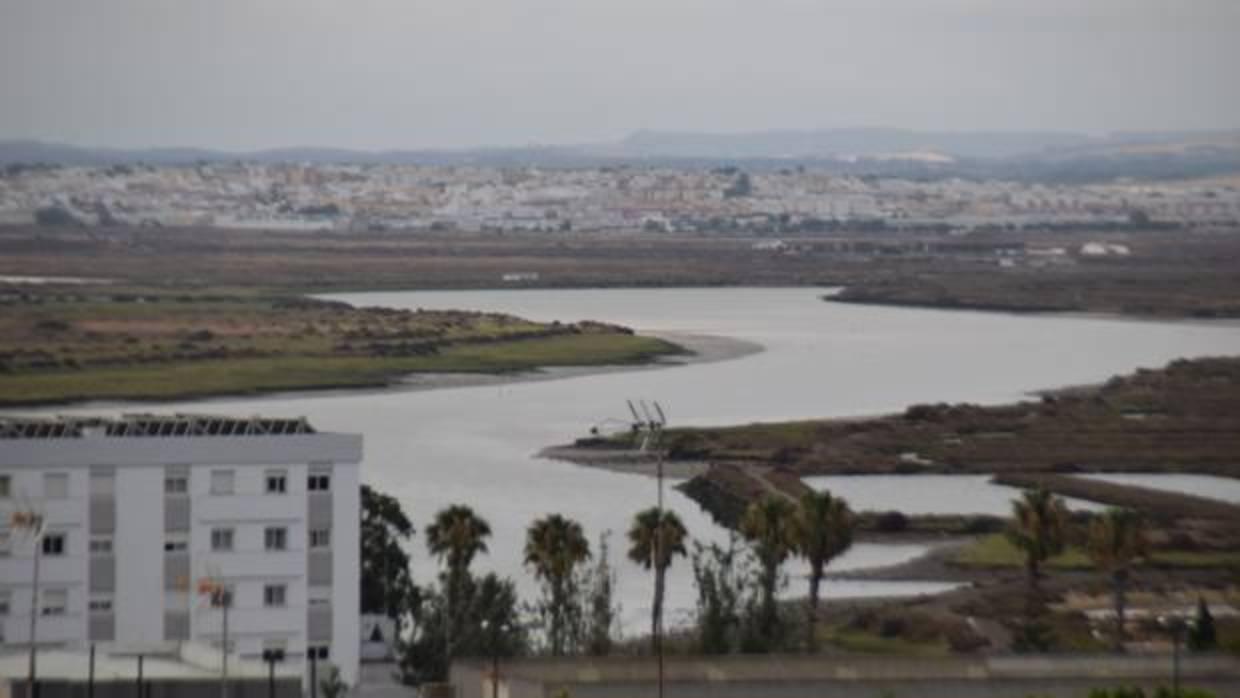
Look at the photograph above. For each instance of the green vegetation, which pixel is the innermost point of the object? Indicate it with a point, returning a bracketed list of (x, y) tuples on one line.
[(997, 551), (1038, 531), (1116, 540), (770, 526), (656, 538), (152, 346), (1183, 417), (824, 531), (554, 548)]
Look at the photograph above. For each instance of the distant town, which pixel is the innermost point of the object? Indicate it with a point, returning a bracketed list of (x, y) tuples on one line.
[(796, 199)]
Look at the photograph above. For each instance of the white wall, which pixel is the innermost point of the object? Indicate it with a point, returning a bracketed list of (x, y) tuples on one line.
[(346, 572), (67, 572), (139, 548)]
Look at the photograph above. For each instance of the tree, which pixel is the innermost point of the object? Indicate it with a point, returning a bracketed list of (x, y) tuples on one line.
[(456, 536), (598, 588), (387, 581), (554, 547), (1039, 530), (1202, 636), (655, 539), (824, 531), (332, 686), (721, 575), (487, 623), (1116, 539), (770, 526)]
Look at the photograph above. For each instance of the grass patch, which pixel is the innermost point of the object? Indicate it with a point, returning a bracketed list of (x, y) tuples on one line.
[(997, 551), (134, 346), (863, 642)]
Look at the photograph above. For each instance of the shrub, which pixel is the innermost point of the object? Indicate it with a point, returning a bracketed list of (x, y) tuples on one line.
[(891, 522)]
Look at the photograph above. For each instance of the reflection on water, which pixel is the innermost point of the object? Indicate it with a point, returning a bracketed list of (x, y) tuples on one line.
[(476, 445)]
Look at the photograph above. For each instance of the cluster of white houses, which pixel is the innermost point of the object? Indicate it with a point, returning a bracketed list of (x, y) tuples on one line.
[(142, 513)]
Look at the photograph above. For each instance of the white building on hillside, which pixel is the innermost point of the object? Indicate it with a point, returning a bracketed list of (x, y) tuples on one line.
[(139, 510)]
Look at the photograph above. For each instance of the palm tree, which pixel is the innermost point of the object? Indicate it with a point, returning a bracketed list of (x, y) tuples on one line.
[(655, 539), (456, 536), (770, 525), (1039, 531), (1116, 539), (823, 532), (554, 546)]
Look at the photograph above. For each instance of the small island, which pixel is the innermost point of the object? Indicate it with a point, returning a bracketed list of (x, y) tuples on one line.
[(66, 345)]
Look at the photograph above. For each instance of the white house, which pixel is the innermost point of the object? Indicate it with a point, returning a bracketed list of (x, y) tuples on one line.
[(141, 512)]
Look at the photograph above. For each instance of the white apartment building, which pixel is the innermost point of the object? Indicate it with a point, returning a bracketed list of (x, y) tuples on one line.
[(139, 510)]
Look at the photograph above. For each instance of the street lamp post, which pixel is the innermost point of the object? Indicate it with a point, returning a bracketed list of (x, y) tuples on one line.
[(1176, 627), (32, 522), (494, 632)]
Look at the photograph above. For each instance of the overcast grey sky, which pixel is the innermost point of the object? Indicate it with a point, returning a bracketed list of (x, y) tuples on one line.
[(447, 73)]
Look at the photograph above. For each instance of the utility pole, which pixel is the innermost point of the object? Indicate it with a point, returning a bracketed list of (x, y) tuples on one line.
[(650, 424)]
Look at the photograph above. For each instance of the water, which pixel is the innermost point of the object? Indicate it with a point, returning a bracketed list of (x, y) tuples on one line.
[(927, 494), (476, 445), (1224, 489)]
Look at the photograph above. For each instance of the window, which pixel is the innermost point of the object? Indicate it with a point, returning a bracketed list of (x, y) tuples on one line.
[(275, 538), (221, 539), (179, 484), (221, 482), (54, 602), (176, 543), (273, 595), (277, 482), (5, 602), (102, 484), (320, 537), (55, 485), (319, 483), (101, 545), (6, 486), (54, 544), (6, 542), (316, 652), (101, 604)]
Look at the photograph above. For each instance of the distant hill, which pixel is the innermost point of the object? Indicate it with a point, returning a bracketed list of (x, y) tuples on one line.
[(845, 143), (1049, 155)]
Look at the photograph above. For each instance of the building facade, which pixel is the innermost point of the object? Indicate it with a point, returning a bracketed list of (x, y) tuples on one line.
[(142, 514)]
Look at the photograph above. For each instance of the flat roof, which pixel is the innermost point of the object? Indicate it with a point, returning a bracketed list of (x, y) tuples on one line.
[(174, 439), (149, 425)]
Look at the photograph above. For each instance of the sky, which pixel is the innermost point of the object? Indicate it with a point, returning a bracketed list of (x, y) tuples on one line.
[(386, 74)]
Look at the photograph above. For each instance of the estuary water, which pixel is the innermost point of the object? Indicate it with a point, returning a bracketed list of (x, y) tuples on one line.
[(477, 445)]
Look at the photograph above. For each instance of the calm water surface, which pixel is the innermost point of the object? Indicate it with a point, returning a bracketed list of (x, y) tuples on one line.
[(476, 445), (1224, 489)]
